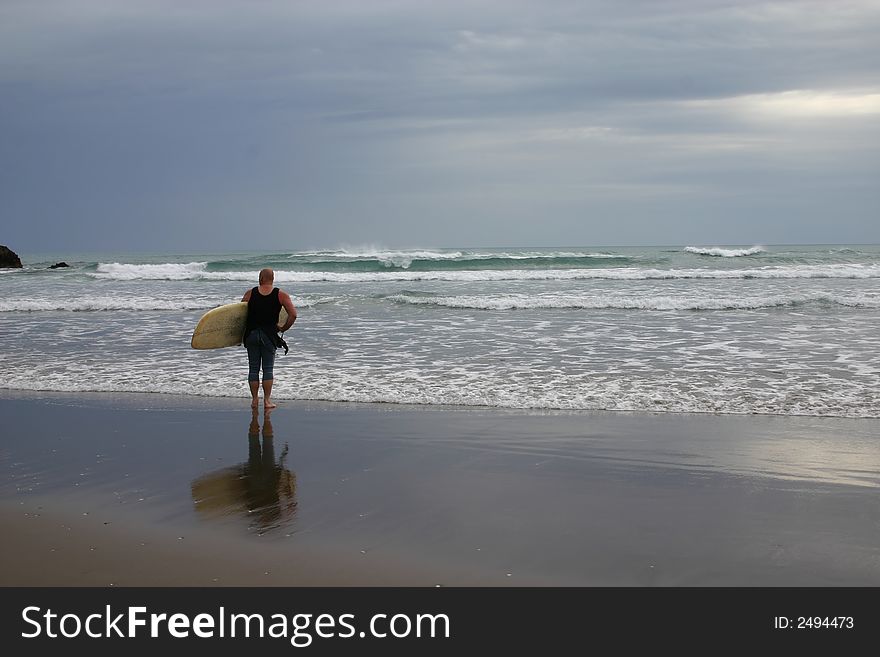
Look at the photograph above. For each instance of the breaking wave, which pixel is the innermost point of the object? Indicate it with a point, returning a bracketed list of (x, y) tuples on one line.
[(719, 252), (377, 260), (109, 303), (199, 271), (169, 271), (626, 302)]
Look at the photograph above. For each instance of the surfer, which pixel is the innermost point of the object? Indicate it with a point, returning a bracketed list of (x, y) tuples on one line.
[(261, 335)]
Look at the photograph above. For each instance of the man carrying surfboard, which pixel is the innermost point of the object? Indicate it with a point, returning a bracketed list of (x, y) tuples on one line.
[(264, 305)]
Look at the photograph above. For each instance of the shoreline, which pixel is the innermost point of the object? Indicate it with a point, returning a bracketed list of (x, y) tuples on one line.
[(239, 402), (132, 489)]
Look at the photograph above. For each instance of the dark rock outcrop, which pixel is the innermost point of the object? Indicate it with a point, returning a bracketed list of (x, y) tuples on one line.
[(59, 265), (9, 258)]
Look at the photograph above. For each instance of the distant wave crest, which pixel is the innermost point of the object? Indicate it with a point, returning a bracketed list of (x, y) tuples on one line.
[(362, 259), (96, 304), (719, 252), (388, 258), (627, 302), (165, 271), (136, 304), (198, 271)]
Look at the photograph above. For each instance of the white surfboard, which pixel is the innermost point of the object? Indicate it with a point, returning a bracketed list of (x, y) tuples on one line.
[(224, 326)]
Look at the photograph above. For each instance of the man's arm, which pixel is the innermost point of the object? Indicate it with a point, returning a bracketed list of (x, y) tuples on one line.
[(285, 300), (247, 296)]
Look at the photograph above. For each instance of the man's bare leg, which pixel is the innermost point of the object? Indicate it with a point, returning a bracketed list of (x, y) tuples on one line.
[(267, 394), (255, 390)]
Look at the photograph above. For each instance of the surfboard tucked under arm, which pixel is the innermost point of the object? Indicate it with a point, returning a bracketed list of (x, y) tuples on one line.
[(224, 326)]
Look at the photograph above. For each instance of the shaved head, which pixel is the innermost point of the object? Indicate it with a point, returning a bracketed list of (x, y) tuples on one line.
[(266, 276)]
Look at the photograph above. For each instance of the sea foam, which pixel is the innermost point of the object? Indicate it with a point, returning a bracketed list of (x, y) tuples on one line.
[(165, 271), (197, 271), (140, 303), (405, 258), (629, 302), (96, 304), (724, 253)]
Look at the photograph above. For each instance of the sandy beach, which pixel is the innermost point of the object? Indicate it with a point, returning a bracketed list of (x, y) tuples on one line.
[(128, 490)]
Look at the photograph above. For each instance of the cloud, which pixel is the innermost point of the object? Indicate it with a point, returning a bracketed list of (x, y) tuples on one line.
[(331, 118), (797, 104)]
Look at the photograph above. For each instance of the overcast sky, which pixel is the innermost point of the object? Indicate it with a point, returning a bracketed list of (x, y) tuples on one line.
[(202, 125)]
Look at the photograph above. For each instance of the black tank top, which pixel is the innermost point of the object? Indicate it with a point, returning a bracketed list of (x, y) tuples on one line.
[(263, 310)]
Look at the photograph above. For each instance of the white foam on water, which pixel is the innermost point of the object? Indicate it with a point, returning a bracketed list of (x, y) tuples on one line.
[(376, 253), (630, 302), (93, 304), (141, 303), (196, 271), (405, 258), (170, 271), (389, 258), (720, 252), (379, 254), (620, 273), (460, 387), (707, 363), (816, 356)]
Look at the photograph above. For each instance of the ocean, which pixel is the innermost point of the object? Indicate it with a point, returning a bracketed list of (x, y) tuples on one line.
[(783, 330)]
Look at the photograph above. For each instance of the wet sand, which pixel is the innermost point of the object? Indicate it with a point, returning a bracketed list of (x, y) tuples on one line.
[(129, 490)]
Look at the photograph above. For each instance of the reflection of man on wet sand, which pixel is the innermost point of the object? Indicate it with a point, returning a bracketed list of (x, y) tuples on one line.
[(263, 489)]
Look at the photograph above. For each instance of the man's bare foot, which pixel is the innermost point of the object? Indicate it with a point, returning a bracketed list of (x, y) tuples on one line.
[(254, 403), (269, 405)]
